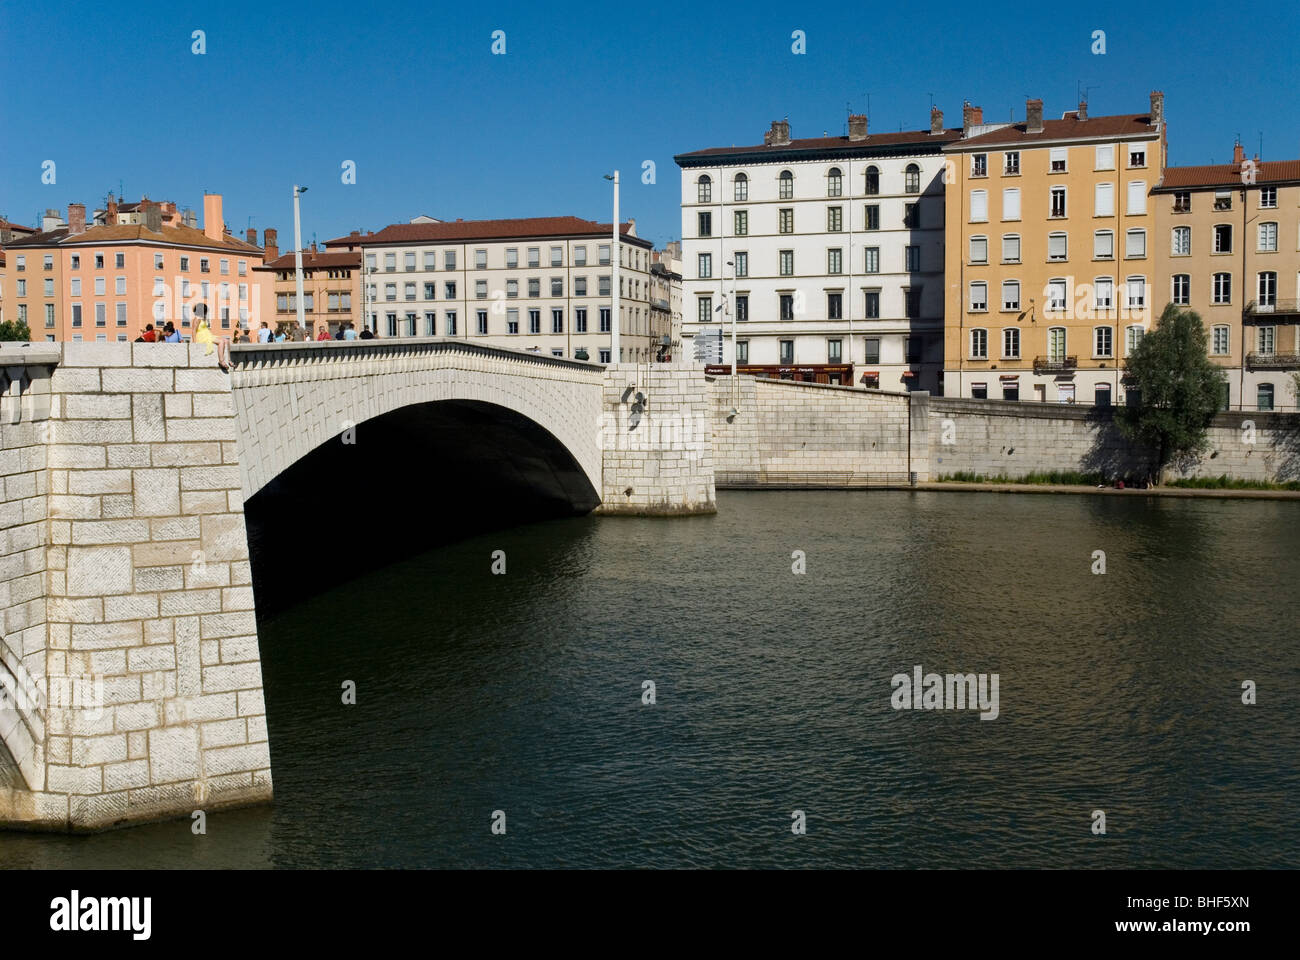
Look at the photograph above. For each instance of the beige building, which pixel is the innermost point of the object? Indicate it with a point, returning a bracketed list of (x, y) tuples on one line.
[(1228, 247), (542, 284), (1049, 268), (666, 296)]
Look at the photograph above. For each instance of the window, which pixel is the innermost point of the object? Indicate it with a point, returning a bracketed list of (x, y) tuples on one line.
[(873, 181), (49, 286), (1137, 155), (370, 262), (1011, 343), (979, 344), (834, 182), (1219, 342), (912, 349), (911, 216), (602, 286), (408, 261), (873, 216), (449, 259), (1010, 294), (1103, 245), (834, 219), (786, 185), (429, 290), (1057, 160), (1056, 344), (1102, 341), (704, 189), (557, 320), (785, 220), (1222, 199), (705, 266), (912, 179), (979, 206), (1182, 241), (534, 321), (480, 289), (872, 264), (119, 261), (557, 256), (741, 261), (1267, 198), (1011, 248), (101, 313), (604, 254), (834, 306), (481, 260), (409, 291), (1058, 202), (1135, 244), (430, 324), (557, 286), (430, 260), (912, 258), (1182, 289), (980, 391), (742, 223), (873, 350), (390, 263), (1103, 202), (1223, 288), (1267, 237), (512, 320), (1011, 163), (76, 286), (873, 304), (979, 249), (1267, 287), (20, 262), (703, 311), (742, 307), (1105, 156), (1137, 293), (1137, 197), (1223, 238), (834, 261), (604, 354), (120, 312), (1055, 295), (912, 304), (787, 306), (1183, 201), (787, 351), (1264, 396), (740, 192), (1265, 340), (579, 256), (979, 165), (99, 263), (76, 314), (449, 290), (787, 263), (705, 220), (979, 296), (1056, 246), (512, 288), (99, 287)]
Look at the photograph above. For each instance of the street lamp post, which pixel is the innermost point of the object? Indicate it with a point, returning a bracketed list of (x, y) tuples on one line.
[(615, 354), (297, 255)]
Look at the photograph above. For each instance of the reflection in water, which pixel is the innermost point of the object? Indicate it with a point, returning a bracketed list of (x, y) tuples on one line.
[(522, 693)]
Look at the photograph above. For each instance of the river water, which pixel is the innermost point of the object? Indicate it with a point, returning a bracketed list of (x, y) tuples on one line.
[(522, 693)]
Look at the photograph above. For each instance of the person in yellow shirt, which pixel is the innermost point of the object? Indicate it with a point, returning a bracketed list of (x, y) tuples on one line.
[(204, 335)]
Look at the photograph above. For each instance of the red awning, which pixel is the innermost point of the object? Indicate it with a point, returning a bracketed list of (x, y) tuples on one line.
[(908, 373), (1009, 376)]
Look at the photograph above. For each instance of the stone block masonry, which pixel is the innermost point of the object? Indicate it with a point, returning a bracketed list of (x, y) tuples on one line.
[(125, 589)]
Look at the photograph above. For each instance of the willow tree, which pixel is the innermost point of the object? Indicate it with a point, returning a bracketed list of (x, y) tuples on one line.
[(1180, 390)]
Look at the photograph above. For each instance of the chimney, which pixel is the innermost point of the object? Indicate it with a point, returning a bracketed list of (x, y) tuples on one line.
[(188, 219), (1033, 116), (970, 117), (1083, 109), (1238, 154), (313, 246), (857, 126), (76, 218), (251, 236), (1157, 107), (936, 121), (213, 227), (779, 135), (270, 245), (152, 217), (110, 215)]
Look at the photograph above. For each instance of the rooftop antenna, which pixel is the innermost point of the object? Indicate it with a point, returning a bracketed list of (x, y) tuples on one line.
[(1261, 144), (932, 101)]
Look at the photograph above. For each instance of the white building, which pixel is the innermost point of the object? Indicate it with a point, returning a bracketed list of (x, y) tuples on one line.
[(541, 284), (828, 250)]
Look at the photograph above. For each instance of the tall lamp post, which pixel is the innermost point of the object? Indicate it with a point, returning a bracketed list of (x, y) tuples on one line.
[(297, 255), (615, 354)]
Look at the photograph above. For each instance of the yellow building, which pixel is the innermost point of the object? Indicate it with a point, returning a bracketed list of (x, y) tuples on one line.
[(1048, 261), (1228, 247)]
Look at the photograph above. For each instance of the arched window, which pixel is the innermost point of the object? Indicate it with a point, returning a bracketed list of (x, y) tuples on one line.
[(1182, 241), (873, 181), (834, 182), (912, 179), (705, 187), (786, 181), (741, 188), (979, 344), (1056, 344)]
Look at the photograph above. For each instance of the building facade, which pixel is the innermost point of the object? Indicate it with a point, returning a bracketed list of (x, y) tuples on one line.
[(543, 284), (1228, 247), (331, 289), (106, 282), (828, 253), (1049, 266)]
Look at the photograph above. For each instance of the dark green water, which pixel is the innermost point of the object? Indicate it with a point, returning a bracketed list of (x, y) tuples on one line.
[(522, 693)]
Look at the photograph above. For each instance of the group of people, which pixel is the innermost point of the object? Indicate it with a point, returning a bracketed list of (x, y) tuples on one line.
[(288, 334), (203, 334)]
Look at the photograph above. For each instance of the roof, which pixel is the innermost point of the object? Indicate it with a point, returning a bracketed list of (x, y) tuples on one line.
[(312, 260), (8, 225), (1229, 175), (457, 230), (1069, 127), (126, 232), (819, 146)]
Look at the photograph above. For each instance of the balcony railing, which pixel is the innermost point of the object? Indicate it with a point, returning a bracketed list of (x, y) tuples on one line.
[(1273, 361), (1278, 311), (1055, 364)]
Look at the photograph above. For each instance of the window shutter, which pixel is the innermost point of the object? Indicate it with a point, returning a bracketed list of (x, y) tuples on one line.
[(1137, 196), (1105, 200), (1011, 204), (979, 205)]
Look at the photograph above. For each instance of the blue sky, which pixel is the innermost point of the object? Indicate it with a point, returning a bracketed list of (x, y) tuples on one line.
[(436, 124)]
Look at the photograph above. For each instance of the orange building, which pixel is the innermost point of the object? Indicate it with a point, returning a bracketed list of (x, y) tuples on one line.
[(331, 287), (106, 282)]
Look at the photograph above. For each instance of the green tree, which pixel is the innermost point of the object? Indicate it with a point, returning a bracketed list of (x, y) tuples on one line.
[(14, 330), (1180, 389)]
